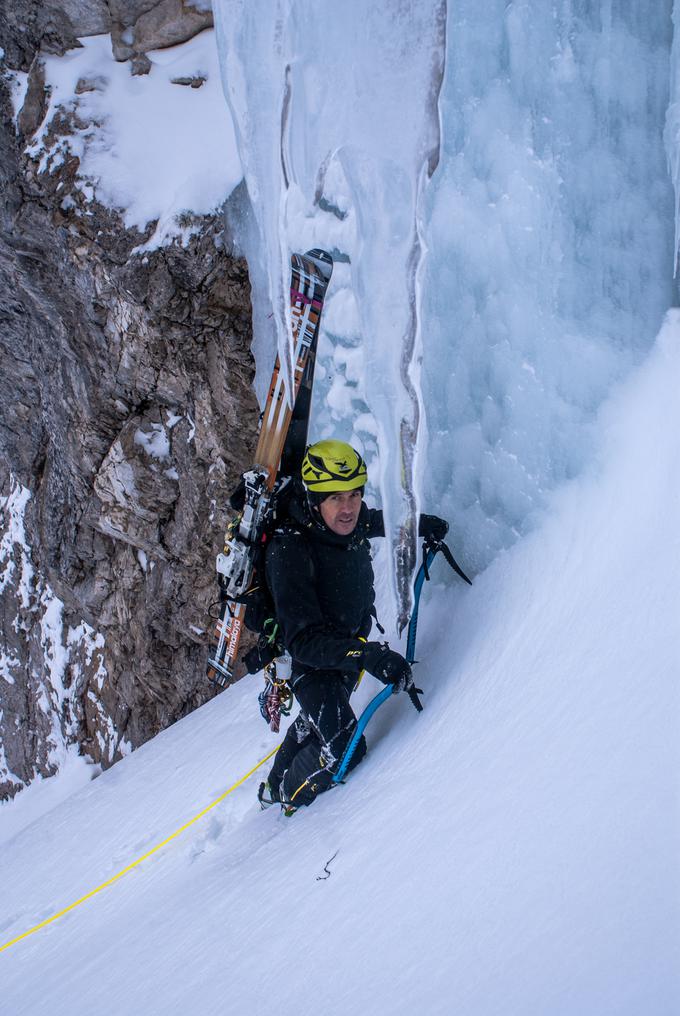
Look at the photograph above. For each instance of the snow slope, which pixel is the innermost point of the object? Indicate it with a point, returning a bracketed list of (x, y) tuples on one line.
[(513, 850)]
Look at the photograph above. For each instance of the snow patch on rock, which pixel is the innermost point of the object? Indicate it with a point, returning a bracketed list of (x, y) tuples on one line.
[(157, 152), (62, 664)]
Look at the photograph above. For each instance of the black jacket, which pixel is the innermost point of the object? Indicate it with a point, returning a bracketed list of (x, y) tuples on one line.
[(322, 587)]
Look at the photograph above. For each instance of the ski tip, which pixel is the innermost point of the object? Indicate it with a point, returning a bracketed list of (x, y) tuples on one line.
[(321, 260)]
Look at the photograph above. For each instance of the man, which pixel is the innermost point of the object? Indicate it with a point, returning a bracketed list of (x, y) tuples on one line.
[(319, 572)]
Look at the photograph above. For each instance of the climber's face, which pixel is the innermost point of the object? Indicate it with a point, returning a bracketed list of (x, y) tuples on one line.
[(340, 512)]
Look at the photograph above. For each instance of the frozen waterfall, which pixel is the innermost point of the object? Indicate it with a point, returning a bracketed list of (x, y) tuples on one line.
[(338, 125), (550, 235), (492, 181)]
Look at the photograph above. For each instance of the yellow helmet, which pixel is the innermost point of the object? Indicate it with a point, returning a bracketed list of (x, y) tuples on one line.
[(332, 466)]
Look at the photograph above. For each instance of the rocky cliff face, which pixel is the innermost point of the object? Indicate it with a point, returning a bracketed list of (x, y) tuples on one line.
[(125, 382), (135, 26)]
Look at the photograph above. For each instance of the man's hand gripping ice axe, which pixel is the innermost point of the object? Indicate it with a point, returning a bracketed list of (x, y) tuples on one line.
[(431, 547)]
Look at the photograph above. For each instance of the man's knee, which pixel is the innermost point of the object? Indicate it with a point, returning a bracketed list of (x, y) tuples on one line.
[(297, 737), (310, 773), (306, 778)]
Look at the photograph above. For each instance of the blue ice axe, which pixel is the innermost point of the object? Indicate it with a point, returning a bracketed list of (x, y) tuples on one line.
[(430, 551)]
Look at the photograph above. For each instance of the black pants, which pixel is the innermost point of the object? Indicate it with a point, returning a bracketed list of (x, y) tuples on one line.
[(314, 744)]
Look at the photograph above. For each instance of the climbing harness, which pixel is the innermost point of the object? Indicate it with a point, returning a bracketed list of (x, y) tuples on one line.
[(276, 698)]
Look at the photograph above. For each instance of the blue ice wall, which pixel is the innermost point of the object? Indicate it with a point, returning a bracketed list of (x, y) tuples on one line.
[(499, 268), (550, 234)]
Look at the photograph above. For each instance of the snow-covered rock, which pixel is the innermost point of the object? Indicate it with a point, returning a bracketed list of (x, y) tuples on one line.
[(124, 373), (140, 25)]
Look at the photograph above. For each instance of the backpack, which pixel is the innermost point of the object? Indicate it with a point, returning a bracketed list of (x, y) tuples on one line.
[(260, 614)]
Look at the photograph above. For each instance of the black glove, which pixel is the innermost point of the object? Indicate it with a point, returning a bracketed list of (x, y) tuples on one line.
[(431, 526), (388, 666)]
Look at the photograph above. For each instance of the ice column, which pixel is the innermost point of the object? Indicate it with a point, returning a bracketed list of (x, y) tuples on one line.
[(349, 92), (550, 248), (672, 132)]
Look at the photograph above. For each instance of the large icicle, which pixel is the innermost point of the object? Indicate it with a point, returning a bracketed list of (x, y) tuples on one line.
[(350, 86)]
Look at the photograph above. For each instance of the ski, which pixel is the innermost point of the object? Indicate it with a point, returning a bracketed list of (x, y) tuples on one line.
[(280, 449)]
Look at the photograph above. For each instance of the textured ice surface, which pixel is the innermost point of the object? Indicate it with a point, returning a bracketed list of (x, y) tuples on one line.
[(338, 130), (550, 248), (542, 260), (672, 134)]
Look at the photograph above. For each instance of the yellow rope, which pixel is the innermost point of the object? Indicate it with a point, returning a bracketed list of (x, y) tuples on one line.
[(114, 878)]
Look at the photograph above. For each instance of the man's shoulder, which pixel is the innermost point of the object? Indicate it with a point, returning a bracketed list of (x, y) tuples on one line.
[(288, 556), (290, 518), (288, 536), (288, 530)]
